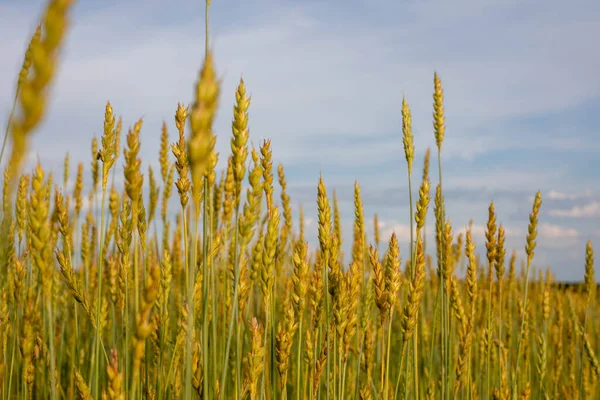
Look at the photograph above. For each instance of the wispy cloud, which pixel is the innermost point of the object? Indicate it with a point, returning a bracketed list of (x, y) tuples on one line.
[(591, 209), (480, 230), (557, 195), (557, 232), (402, 231)]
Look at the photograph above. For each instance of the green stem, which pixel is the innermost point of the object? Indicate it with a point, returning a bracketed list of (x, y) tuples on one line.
[(234, 308), (412, 268), (336, 377), (206, 224), (445, 303), (99, 295), (501, 305), (344, 367), (490, 335), (442, 295), (262, 382), (387, 362), (191, 274), (207, 236), (327, 311), (400, 369), (125, 330), (519, 339), (335, 363), (272, 325), (215, 294), (360, 352), (299, 357), (585, 314), (238, 359), (382, 359), (50, 317), (188, 361), (12, 357), (542, 378), (9, 122)]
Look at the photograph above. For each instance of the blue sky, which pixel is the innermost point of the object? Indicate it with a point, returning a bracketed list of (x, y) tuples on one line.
[(522, 99)]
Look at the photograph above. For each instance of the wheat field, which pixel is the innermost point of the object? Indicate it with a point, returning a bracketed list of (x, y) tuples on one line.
[(228, 301)]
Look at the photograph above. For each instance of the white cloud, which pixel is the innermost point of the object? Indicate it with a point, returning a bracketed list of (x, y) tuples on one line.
[(402, 231), (586, 211), (479, 230), (496, 178), (309, 222), (558, 195), (557, 232)]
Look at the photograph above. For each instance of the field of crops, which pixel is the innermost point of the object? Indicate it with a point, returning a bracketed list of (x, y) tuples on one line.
[(228, 301)]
